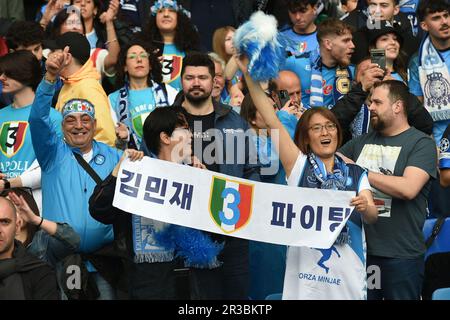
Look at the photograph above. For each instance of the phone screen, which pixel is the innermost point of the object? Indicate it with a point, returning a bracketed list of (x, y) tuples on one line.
[(283, 95), (158, 47), (378, 56)]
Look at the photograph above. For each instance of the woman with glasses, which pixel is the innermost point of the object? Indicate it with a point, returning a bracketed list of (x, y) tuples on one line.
[(310, 161), (142, 90)]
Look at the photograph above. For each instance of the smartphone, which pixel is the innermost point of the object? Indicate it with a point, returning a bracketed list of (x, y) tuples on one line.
[(158, 47), (378, 56), (284, 97)]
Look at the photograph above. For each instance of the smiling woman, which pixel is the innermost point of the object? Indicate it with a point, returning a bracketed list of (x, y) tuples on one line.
[(310, 161)]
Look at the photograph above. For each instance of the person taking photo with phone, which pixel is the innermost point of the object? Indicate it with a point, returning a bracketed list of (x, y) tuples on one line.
[(352, 110)]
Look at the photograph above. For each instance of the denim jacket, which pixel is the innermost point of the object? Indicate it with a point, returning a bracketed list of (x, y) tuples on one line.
[(53, 249)]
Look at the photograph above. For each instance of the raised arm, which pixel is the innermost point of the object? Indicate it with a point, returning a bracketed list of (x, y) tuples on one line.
[(45, 137), (112, 42), (287, 150)]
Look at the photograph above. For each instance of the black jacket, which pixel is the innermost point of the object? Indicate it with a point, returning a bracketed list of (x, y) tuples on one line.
[(350, 104), (26, 277)]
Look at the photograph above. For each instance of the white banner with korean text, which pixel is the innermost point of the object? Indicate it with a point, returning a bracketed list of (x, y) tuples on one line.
[(218, 203)]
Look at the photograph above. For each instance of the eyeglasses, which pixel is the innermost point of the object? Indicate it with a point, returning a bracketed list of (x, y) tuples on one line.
[(142, 55), (330, 127)]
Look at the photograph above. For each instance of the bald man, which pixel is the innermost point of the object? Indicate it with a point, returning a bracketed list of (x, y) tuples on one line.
[(22, 276), (289, 81)]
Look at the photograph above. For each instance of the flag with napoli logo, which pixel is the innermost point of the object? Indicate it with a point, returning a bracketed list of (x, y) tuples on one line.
[(230, 203)]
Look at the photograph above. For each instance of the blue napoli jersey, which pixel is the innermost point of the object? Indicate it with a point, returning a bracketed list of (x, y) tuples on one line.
[(301, 65), (140, 104), (171, 66), (301, 43), (17, 152)]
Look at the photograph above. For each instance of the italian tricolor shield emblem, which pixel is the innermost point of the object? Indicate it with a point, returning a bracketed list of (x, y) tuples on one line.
[(230, 203), (138, 123), (12, 136), (171, 67)]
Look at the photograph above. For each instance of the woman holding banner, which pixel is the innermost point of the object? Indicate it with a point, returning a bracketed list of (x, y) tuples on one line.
[(310, 161)]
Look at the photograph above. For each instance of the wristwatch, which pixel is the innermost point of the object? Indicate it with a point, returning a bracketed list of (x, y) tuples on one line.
[(7, 184)]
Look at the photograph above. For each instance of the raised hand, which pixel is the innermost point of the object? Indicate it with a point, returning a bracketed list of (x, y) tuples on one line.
[(23, 209), (57, 61)]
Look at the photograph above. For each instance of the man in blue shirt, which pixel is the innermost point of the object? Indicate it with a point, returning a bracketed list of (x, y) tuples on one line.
[(66, 186), (303, 30), (325, 77)]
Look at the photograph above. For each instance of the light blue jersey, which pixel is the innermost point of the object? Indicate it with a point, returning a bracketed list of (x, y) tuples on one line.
[(301, 65), (140, 104), (303, 42), (17, 153), (66, 186), (171, 66)]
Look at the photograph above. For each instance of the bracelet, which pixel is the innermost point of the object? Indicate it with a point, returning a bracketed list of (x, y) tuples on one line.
[(40, 223), (108, 42), (49, 80)]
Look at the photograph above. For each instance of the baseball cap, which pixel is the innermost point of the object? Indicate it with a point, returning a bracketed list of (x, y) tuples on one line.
[(78, 45), (385, 27)]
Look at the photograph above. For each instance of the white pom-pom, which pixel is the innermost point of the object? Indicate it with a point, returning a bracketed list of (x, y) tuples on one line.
[(265, 24)]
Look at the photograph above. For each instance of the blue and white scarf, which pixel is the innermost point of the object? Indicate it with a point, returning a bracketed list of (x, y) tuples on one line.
[(337, 180), (341, 84), (146, 246), (161, 100), (435, 81)]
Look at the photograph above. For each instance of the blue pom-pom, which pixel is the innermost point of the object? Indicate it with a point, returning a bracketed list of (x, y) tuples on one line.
[(196, 247), (264, 46)]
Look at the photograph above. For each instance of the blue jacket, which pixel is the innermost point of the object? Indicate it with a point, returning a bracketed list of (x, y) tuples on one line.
[(66, 186)]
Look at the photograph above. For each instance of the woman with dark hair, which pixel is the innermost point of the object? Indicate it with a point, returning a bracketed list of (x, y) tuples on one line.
[(139, 75), (72, 19), (389, 39), (47, 240), (170, 29), (20, 74), (310, 161)]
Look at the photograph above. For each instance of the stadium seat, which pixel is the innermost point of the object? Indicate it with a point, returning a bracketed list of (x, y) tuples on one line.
[(274, 296), (441, 294)]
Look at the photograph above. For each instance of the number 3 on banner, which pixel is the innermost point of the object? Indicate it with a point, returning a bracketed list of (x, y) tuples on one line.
[(232, 207)]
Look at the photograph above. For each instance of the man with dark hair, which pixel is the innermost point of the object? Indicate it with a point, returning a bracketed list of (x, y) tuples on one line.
[(216, 128), (325, 77), (400, 161), (26, 35), (81, 82), (368, 19), (20, 74), (22, 276), (430, 67), (302, 30)]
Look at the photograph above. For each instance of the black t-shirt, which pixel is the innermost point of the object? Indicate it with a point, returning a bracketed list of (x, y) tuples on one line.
[(203, 138)]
